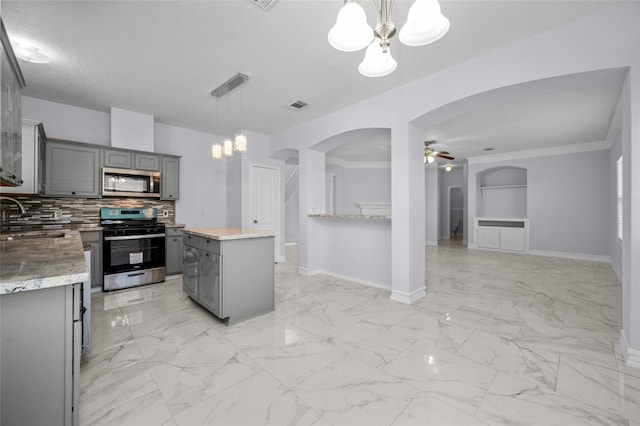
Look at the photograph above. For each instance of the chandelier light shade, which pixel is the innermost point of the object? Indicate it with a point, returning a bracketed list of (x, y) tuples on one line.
[(227, 148), (240, 143), (377, 61), (351, 31), (216, 151), (425, 24)]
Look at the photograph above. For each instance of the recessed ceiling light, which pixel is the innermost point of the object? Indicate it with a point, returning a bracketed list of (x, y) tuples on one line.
[(30, 53)]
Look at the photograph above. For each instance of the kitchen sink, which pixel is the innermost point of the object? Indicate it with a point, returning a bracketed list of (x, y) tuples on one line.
[(30, 236)]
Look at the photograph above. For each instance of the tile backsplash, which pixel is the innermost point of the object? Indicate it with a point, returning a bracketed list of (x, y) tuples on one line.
[(55, 212)]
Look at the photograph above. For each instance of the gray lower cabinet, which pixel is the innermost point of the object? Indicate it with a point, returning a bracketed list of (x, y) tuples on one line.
[(170, 175), (92, 241), (40, 348), (174, 250), (72, 170), (232, 278)]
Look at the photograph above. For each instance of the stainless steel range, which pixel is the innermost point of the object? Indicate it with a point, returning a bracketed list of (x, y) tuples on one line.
[(133, 247)]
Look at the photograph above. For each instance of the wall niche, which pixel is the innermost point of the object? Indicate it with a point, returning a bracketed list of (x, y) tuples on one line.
[(502, 192)]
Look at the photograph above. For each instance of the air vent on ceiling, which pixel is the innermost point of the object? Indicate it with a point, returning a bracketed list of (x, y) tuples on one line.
[(263, 4), (297, 105), (234, 82)]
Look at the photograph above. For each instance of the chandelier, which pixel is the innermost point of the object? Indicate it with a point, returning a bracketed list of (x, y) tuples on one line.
[(425, 24)]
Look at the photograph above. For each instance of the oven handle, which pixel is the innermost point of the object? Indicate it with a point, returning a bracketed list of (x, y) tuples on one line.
[(134, 237)]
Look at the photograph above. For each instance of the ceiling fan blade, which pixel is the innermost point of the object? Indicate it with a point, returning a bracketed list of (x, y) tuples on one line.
[(446, 157), (444, 152)]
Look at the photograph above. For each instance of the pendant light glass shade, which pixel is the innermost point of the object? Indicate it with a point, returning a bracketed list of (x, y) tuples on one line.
[(351, 31), (376, 62), (216, 151), (227, 148), (425, 24), (240, 143)]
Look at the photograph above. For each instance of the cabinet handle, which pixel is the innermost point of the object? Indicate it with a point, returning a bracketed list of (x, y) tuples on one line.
[(73, 192)]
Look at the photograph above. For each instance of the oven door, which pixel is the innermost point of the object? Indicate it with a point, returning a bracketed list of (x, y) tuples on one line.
[(130, 260)]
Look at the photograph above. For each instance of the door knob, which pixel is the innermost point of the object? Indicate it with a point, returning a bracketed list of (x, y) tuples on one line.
[(255, 220)]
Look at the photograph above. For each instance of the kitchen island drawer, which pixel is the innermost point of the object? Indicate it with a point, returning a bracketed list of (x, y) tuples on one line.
[(202, 243)]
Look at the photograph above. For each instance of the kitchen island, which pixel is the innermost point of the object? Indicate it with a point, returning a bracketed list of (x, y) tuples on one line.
[(40, 326), (230, 271)]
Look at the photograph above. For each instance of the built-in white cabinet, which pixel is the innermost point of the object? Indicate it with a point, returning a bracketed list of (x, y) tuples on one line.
[(502, 234)]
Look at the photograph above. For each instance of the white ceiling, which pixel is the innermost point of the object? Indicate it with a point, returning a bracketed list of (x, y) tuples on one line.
[(164, 57)]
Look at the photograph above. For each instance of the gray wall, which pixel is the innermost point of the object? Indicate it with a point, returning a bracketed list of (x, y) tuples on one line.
[(354, 184)]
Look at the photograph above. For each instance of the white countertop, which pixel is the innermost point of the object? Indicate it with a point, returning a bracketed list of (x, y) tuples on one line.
[(228, 233), (32, 264)]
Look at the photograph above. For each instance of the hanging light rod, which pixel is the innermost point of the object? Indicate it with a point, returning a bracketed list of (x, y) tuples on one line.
[(425, 24), (233, 83)]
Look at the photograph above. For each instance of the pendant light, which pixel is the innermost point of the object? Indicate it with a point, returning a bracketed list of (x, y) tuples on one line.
[(239, 142)]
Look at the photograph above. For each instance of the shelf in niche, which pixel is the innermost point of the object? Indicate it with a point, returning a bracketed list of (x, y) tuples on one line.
[(483, 188)]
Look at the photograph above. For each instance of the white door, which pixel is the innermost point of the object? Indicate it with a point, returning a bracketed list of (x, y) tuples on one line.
[(265, 201)]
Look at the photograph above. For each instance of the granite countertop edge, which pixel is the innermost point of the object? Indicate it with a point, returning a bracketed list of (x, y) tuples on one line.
[(34, 264), (350, 216), (222, 234)]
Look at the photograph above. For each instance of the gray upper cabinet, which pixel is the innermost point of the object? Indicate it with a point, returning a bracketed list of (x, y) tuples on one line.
[(11, 82), (148, 162), (118, 159), (170, 175), (32, 160), (72, 170)]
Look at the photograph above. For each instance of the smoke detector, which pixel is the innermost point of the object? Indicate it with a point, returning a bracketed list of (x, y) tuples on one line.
[(263, 4)]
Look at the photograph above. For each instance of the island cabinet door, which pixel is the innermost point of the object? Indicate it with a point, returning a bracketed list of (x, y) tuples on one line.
[(210, 291), (190, 272)]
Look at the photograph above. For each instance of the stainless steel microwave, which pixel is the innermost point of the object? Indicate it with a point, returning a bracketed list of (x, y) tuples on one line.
[(130, 183)]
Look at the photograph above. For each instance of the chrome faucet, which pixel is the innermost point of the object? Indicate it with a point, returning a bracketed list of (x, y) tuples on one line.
[(3, 218), (18, 203)]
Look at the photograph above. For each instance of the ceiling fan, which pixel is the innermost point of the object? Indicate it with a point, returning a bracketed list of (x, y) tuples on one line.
[(430, 153)]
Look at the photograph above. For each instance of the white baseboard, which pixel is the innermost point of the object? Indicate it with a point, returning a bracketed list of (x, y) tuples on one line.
[(352, 279), (408, 298), (430, 243), (617, 270), (572, 256), (631, 356)]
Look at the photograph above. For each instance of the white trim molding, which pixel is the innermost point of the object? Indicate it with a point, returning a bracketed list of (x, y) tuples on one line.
[(555, 150), (306, 272), (408, 298), (572, 256), (631, 356)]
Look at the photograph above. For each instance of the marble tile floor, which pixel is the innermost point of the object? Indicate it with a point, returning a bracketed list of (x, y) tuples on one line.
[(500, 339)]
